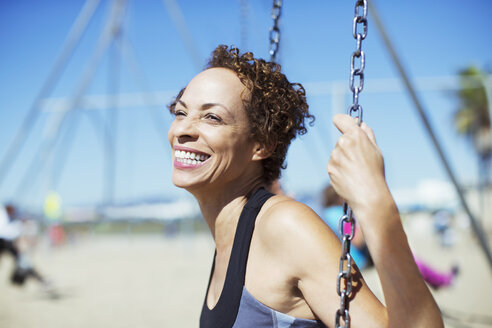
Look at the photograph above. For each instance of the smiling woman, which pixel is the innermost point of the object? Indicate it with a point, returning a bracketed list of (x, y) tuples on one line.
[(211, 122), (276, 262), (276, 108)]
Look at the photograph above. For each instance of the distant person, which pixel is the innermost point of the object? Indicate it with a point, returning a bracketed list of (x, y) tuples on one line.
[(443, 227), (333, 204), (10, 234), (333, 211), (276, 188), (53, 215), (435, 278), (10, 230)]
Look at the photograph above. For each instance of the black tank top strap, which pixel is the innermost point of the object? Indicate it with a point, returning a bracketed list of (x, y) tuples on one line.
[(225, 311)]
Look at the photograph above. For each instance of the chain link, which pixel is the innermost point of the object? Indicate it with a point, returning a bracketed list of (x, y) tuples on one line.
[(275, 30), (244, 9), (357, 66)]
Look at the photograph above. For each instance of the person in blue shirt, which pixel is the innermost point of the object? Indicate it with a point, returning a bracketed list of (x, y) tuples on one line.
[(332, 212)]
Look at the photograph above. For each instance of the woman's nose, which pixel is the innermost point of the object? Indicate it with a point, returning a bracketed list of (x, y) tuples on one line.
[(185, 129)]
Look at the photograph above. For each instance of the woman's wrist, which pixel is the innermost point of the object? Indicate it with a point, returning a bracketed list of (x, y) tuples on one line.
[(376, 197), (378, 216)]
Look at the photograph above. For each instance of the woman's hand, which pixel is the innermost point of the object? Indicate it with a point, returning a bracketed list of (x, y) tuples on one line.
[(356, 170), (356, 166)]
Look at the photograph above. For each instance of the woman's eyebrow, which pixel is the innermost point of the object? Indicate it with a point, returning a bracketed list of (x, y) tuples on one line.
[(210, 105), (182, 103), (207, 106)]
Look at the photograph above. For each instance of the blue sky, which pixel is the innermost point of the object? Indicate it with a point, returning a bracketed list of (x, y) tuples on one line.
[(433, 39)]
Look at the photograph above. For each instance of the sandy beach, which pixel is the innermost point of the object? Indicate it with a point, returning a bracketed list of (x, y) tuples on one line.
[(130, 281)]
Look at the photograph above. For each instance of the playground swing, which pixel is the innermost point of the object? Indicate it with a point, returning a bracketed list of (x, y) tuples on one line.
[(347, 221)]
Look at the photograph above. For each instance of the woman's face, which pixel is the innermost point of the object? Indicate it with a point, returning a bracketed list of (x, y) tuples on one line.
[(210, 134)]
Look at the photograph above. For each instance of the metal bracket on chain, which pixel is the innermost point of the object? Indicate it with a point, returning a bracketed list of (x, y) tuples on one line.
[(344, 278), (274, 30)]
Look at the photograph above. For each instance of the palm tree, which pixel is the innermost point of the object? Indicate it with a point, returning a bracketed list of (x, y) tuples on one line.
[(472, 117)]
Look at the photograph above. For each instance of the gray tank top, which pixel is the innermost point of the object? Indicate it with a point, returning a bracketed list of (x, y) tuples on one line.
[(236, 307)]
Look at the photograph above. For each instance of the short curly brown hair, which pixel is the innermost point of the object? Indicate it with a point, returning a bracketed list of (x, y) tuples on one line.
[(277, 109)]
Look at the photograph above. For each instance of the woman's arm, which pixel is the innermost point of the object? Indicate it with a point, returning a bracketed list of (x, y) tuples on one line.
[(306, 252), (356, 171)]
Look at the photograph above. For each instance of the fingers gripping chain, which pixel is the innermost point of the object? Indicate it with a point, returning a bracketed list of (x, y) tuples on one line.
[(344, 278)]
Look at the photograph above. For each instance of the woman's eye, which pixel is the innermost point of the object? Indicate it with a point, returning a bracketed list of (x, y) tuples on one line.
[(179, 112), (213, 117)]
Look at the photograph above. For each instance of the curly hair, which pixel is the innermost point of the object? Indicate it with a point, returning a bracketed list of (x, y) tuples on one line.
[(277, 109)]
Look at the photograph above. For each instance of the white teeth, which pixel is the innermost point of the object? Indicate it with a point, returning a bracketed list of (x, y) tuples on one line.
[(189, 157)]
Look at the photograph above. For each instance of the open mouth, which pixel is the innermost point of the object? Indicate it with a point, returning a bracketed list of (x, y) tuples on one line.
[(187, 157)]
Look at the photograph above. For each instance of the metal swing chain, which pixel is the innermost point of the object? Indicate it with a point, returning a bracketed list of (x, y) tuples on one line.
[(274, 30), (344, 279)]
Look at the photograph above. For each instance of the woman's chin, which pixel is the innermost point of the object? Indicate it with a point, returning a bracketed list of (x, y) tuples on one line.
[(180, 184), (186, 184)]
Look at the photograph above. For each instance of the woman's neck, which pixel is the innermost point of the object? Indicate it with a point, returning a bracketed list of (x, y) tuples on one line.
[(221, 208)]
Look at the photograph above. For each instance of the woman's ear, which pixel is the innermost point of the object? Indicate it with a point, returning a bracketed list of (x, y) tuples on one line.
[(262, 151)]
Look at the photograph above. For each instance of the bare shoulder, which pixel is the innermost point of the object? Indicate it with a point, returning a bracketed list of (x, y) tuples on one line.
[(285, 214), (294, 231)]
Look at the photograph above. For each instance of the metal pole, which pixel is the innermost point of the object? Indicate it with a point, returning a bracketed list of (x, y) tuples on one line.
[(64, 149), (487, 83), (243, 22), (149, 99), (420, 109), (71, 42), (179, 22), (53, 132), (112, 117), (111, 128)]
